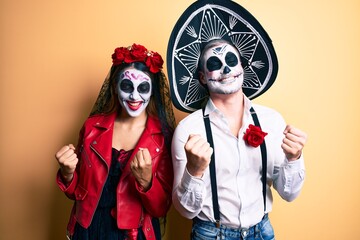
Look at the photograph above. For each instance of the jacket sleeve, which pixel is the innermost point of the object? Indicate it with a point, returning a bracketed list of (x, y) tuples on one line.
[(69, 188), (157, 199)]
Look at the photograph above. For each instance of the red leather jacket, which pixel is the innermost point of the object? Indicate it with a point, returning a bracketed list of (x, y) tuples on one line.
[(134, 207)]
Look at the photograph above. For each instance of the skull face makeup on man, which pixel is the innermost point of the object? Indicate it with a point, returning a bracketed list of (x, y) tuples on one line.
[(222, 70), (134, 90)]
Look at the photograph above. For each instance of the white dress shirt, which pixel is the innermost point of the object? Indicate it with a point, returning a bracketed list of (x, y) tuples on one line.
[(238, 168)]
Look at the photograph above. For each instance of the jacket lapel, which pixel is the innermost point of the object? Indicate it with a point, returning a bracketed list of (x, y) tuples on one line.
[(103, 137), (146, 141)]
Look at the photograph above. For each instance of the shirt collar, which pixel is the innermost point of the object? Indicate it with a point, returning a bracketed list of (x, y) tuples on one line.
[(247, 106), (211, 108)]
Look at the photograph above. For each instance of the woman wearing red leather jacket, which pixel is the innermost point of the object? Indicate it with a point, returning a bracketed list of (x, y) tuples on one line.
[(120, 174)]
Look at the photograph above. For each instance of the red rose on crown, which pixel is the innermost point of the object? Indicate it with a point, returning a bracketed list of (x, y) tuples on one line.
[(154, 62), (254, 136), (119, 55), (138, 53)]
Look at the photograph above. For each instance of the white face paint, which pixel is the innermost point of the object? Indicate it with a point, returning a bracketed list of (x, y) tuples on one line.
[(134, 90), (223, 72)]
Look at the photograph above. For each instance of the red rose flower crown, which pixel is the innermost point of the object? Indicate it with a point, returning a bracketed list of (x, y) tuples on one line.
[(138, 53)]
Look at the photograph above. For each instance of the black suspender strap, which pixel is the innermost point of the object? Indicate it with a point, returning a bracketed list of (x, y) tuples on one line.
[(212, 170), (263, 157), (212, 165)]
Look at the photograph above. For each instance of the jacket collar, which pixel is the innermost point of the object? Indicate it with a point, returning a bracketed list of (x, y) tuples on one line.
[(153, 125), (105, 121)]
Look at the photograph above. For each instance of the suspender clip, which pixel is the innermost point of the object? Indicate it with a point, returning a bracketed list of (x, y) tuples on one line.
[(218, 223)]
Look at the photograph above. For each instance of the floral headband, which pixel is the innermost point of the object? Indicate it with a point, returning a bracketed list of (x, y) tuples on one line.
[(138, 53)]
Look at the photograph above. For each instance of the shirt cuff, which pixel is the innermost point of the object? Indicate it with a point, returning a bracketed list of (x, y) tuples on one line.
[(189, 182), (295, 165)]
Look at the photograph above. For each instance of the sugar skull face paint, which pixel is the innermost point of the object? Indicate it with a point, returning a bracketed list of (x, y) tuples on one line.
[(223, 72), (134, 90)]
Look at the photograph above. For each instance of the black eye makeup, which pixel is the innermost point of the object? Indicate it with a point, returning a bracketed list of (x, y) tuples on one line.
[(144, 87), (126, 86), (213, 64), (231, 59)]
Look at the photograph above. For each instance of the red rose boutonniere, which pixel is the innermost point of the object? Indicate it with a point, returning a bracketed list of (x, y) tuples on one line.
[(254, 136)]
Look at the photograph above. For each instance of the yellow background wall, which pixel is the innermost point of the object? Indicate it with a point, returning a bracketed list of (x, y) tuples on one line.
[(54, 56)]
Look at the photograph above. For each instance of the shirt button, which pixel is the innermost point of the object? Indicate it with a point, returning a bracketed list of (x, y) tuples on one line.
[(157, 150)]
